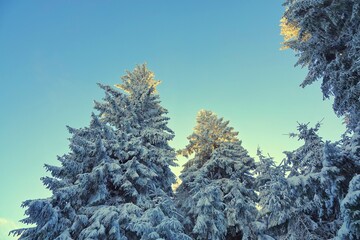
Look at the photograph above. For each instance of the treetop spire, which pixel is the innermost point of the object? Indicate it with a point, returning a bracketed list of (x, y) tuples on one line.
[(209, 132), (141, 77)]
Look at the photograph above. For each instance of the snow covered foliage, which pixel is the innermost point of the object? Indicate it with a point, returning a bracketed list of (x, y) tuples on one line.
[(208, 213), (293, 202), (208, 133), (86, 180), (333, 177), (350, 208), (325, 34), (307, 158), (265, 170), (275, 203), (138, 110), (116, 181), (327, 41), (339, 176), (216, 195), (308, 195)]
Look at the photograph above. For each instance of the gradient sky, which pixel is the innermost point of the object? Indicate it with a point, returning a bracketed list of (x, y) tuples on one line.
[(217, 55)]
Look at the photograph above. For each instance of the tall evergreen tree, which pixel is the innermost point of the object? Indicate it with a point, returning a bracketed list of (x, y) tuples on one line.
[(81, 189), (116, 182), (139, 105), (216, 194), (275, 202), (209, 132), (326, 36)]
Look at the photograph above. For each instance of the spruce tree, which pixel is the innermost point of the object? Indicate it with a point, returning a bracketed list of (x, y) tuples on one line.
[(137, 109), (82, 189), (216, 195), (273, 200), (326, 37), (297, 203), (116, 182)]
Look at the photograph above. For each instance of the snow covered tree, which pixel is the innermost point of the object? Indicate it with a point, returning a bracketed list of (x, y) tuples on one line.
[(311, 193), (137, 109), (277, 211), (275, 203), (294, 203), (116, 182), (221, 200), (81, 188), (231, 168), (327, 41), (208, 133), (148, 177), (207, 213), (216, 194), (326, 36)]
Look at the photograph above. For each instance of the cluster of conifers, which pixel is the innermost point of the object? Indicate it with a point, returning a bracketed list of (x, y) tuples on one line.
[(116, 181)]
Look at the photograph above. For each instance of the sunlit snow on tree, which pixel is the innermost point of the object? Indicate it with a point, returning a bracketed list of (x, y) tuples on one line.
[(328, 44), (216, 195)]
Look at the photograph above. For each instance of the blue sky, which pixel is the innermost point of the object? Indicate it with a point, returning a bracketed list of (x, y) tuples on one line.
[(215, 55)]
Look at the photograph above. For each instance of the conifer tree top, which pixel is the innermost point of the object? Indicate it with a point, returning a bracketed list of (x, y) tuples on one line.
[(141, 78), (208, 133)]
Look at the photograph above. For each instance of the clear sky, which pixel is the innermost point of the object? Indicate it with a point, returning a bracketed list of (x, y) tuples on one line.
[(218, 55)]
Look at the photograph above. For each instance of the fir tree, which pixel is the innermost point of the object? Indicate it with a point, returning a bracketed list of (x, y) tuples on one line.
[(116, 182), (216, 194), (209, 132), (325, 35), (137, 109), (81, 188), (147, 178), (275, 202), (298, 203)]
